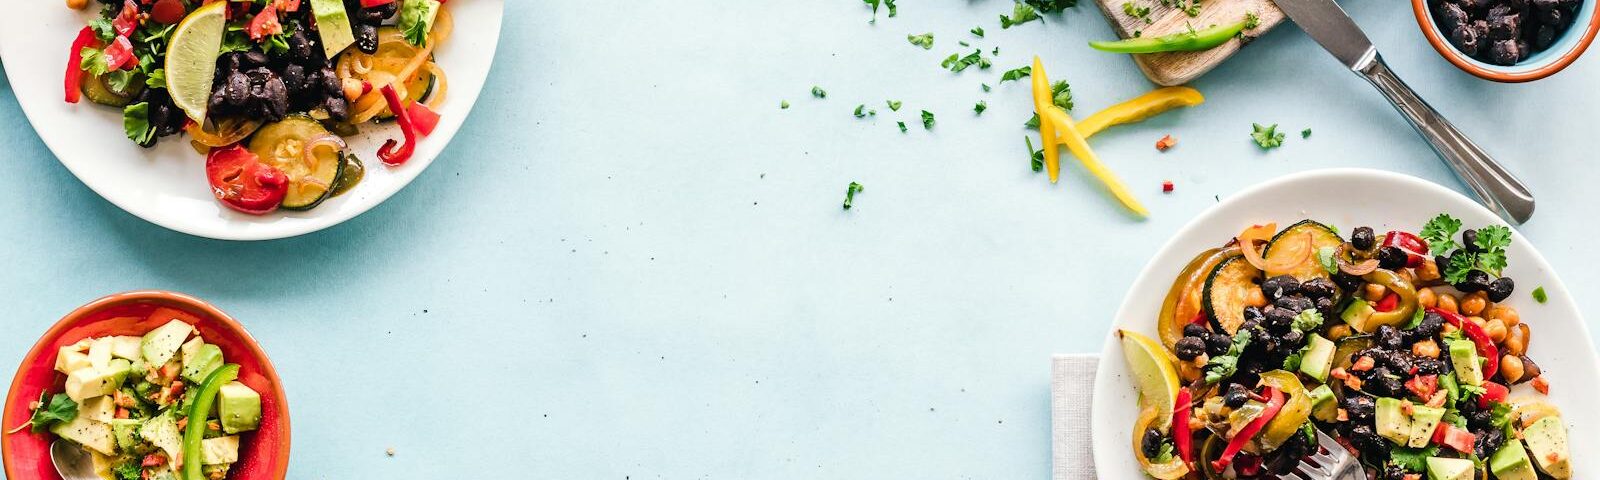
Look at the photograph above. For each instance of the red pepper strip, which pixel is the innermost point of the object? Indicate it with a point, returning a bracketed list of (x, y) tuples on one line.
[(74, 80), (1274, 403), (1492, 393), (375, 3), (387, 153), (1416, 249), (1454, 437), (1199, 318), (1181, 436), (1480, 338), (423, 117), (1423, 385), (1388, 303)]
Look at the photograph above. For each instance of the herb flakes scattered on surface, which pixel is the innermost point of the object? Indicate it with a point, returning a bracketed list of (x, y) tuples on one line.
[(977, 31), (783, 104), (819, 92), (1540, 296), (861, 111), (850, 194), (956, 63), (925, 40), (1305, 133), (902, 125), (1266, 137), (1016, 74), (1020, 13), (893, 10), (1137, 12), (1035, 157), (1060, 95), (894, 105), (927, 120), (980, 107)]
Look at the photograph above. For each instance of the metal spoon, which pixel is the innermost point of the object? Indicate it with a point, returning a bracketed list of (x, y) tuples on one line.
[(72, 461)]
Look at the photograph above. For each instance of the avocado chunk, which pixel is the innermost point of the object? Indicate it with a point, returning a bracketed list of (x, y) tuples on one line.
[(1424, 420), (206, 358), (99, 409), (126, 432), (1449, 468), (1356, 314), (1464, 357), (126, 347), (69, 359), (161, 344), (89, 433), (1511, 462), (333, 25), (1547, 442), (100, 352), (90, 382), (220, 450), (1324, 406), (1318, 358), (239, 408), (1392, 422), (162, 431)]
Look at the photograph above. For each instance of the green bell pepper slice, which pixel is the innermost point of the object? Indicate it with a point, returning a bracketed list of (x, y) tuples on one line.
[(199, 409), (1188, 41)]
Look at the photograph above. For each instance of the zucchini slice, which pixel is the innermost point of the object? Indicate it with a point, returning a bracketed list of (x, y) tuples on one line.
[(282, 145), (98, 90), (1228, 291), (1290, 242)]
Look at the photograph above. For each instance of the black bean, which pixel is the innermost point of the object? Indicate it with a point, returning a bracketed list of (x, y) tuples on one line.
[(1430, 326), (1279, 319), (1389, 338), (1501, 289), (1543, 5), (299, 45), (330, 82), (1318, 288), (1295, 304), (1279, 286), (1450, 16), (1489, 442), (366, 38), (1469, 240), (1476, 280), (1195, 330), (253, 59), (1466, 39), (1252, 313), (294, 77), (1359, 407), (1189, 347), (1362, 238), (1391, 258), (1294, 339), (1236, 397), (276, 98), (376, 15), (1325, 305), (1367, 440), (1217, 344), (1151, 443), (238, 89), (1347, 282), (1429, 366), (1554, 17), (1530, 370), (1544, 37), (339, 108)]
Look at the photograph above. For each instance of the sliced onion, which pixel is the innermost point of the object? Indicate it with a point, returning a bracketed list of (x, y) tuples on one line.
[(226, 132), (1262, 234), (440, 86), (309, 151), (1359, 269), (1531, 409)]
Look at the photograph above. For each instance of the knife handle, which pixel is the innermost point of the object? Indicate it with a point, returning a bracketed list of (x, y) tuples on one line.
[(1498, 188)]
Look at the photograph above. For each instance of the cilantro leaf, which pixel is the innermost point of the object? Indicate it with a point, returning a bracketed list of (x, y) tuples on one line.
[(1307, 321), (1061, 96), (1016, 74), (1225, 365), (1457, 269), (1139, 13), (1325, 257), (136, 123), (861, 111), (92, 61), (1492, 242), (1266, 137), (925, 40), (58, 408), (103, 29), (158, 79), (128, 471), (927, 120), (956, 63), (1020, 13), (980, 107), (1412, 459), (985, 86), (1305, 133), (850, 194), (1440, 233), (902, 126)]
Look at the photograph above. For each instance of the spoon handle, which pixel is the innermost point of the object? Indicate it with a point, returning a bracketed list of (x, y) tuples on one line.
[(1496, 188)]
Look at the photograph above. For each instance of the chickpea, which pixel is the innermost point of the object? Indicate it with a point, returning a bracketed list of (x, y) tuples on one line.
[(1374, 292), (1429, 271), (77, 4), (1511, 368), (1407, 275), (1426, 298), (1447, 328), (1426, 348), (1505, 314), (1479, 321), (1496, 330), (1516, 340), (1338, 331), (1474, 304), (1447, 302)]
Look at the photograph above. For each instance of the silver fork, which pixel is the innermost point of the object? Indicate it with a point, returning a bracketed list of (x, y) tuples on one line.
[(1336, 464)]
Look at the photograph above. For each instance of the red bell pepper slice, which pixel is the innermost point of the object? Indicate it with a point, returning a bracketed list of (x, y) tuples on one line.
[(1182, 437), (127, 20), (423, 118), (74, 80), (1480, 338), (265, 24), (1388, 303), (1423, 385), (375, 3), (1492, 393), (119, 55), (243, 182), (1274, 404), (1416, 249), (1199, 318), (387, 152)]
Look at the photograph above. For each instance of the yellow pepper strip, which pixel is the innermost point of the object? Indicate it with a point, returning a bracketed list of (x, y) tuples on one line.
[(1140, 108), (1080, 148), (1042, 101)]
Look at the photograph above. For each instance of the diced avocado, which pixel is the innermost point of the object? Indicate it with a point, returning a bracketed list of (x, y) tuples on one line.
[(189, 349), (162, 431), (100, 352), (1464, 357), (1323, 404), (333, 24), (126, 347), (1424, 420), (161, 344), (219, 450), (69, 359), (126, 432), (1318, 358), (99, 409), (89, 433), (1547, 443), (90, 382), (1392, 421), (1449, 468), (239, 408), (1511, 462), (206, 359), (1356, 314)]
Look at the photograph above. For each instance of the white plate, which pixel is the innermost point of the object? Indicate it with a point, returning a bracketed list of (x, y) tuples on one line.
[(1348, 198), (167, 184)]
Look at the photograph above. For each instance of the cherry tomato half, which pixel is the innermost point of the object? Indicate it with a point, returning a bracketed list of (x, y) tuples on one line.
[(242, 182), (168, 11)]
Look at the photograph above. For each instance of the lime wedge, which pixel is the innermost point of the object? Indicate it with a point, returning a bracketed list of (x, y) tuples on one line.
[(1152, 370), (192, 58)]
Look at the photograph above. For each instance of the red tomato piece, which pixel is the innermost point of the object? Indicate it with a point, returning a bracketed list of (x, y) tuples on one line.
[(1454, 437), (423, 118), (242, 182), (168, 11), (375, 3), (1387, 303), (287, 5), (127, 20), (1492, 393), (265, 24), (119, 55)]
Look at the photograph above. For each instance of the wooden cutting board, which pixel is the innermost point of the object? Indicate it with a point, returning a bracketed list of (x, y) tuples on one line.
[(1177, 68)]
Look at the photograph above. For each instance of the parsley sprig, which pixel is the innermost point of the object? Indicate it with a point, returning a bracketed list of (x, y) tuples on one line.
[(1267, 137), (1225, 365), (1487, 252)]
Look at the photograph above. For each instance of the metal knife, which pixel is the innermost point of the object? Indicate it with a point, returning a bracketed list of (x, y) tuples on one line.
[(1497, 188)]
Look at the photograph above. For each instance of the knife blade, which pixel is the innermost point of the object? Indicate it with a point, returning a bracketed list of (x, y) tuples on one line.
[(1326, 23)]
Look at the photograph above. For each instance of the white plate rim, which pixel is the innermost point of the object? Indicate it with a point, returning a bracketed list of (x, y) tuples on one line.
[(1111, 439)]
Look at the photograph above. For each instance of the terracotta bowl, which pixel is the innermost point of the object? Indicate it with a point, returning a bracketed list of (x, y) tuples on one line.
[(1567, 48), (264, 454)]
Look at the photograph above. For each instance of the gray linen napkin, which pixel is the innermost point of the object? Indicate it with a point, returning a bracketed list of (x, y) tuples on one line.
[(1071, 389)]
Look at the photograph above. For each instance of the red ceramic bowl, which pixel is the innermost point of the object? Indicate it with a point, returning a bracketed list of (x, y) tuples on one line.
[(264, 454)]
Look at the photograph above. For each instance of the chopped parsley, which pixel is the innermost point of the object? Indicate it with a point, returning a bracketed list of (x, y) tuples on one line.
[(1307, 321), (1224, 366), (902, 125), (985, 86), (977, 31), (1060, 95), (1440, 233), (1251, 21), (927, 120), (1035, 157), (416, 20), (819, 92), (1305, 133), (1137, 12), (850, 194), (956, 63), (1490, 246), (783, 104), (980, 107), (894, 105), (885, 3), (925, 40), (1539, 295), (1266, 137), (1020, 13), (861, 111), (1016, 74), (1051, 6)]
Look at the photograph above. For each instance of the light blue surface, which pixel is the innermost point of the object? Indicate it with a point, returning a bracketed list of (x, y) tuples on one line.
[(633, 264)]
